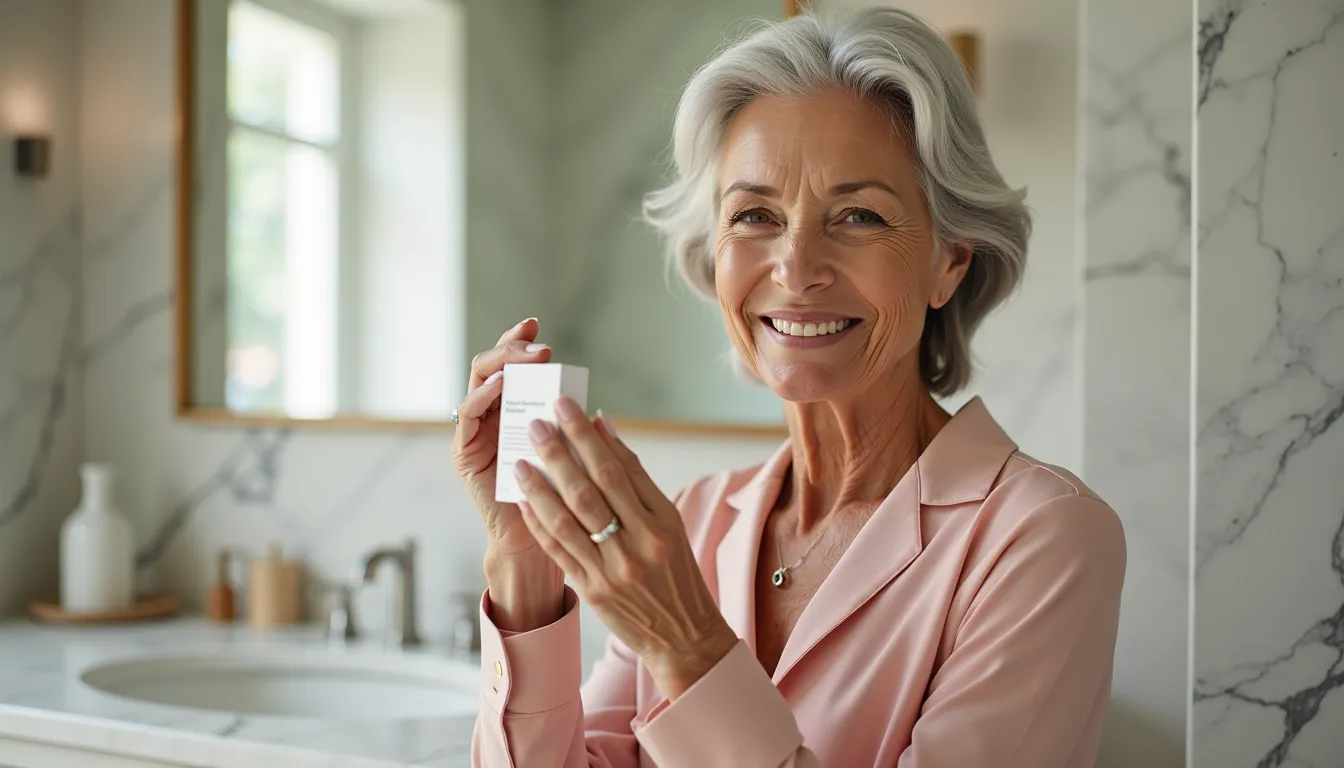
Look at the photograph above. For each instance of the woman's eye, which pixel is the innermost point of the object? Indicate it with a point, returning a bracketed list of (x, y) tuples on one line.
[(751, 217), (862, 217)]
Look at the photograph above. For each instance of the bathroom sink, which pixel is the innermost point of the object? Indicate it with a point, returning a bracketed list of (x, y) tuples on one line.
[(319, 684)]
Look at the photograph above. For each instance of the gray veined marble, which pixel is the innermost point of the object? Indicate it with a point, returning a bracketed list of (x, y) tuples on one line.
[(247, 476), (1136, 352), (36, 392), (41, 312), (1269, 610)]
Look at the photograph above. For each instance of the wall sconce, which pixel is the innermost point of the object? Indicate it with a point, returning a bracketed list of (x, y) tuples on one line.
[(967, 47), (32, 156)]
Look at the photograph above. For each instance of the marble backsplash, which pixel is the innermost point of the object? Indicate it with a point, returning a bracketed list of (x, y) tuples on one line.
[(1269, 450), (1136, 351)]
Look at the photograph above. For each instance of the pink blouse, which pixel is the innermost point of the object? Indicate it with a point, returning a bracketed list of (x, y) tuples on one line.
[(970, 624)]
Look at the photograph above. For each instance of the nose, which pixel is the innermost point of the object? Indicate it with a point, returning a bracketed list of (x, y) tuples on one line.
[(802, 264)]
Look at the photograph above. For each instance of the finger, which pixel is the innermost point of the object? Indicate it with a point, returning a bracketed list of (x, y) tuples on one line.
[(524, 331), (569, 480), (478, 403), (599, 466), (555, 516), (551, 545), (510, 350), (648, 492), (493, 360)]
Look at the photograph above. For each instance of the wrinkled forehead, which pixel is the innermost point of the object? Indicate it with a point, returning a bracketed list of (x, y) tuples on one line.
[(827, 139)]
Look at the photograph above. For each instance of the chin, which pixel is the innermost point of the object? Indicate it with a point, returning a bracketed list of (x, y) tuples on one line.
[(803, 382)]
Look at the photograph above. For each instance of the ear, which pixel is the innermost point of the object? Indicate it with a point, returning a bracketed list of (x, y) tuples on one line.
[(950, 270)]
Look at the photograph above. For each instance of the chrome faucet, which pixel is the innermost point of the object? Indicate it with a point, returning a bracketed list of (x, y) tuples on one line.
[(404, 557)]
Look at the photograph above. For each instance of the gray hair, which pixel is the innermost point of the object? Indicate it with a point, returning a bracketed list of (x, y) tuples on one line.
[(893, 58)]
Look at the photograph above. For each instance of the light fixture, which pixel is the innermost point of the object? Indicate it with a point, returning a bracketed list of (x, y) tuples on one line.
[(32, 156), (967, 47)]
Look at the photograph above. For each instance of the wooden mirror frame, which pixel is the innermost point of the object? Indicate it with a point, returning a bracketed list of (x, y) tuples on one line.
[(185, 407)]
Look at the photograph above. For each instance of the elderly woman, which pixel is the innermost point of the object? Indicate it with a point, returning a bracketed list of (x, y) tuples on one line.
[(897, 586)]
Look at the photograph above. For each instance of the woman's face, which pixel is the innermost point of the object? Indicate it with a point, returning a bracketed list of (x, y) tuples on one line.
[(824, 252)]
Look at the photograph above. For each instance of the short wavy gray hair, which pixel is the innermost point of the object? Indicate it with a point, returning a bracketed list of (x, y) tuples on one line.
[(893, 58)]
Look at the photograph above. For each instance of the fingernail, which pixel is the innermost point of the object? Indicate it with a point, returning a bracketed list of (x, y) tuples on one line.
[(566, 408), (532, 348), (522, 470), (492, 377), (539, 430), (525, 508)]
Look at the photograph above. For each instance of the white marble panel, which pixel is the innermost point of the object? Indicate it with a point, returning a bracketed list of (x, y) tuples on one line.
[(1139, 117), (1269, 601)]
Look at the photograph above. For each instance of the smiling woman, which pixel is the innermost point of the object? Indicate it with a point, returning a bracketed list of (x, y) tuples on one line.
[(897, 585)]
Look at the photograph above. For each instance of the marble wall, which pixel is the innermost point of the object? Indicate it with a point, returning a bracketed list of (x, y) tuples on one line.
[(42, 350), (1269, 329), (1135, 352), (329, 496)]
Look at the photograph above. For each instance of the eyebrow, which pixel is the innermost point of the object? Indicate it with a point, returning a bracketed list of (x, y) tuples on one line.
[(846, 188)]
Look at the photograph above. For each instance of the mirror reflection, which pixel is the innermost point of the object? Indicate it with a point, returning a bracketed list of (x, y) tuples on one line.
[(383, 186), (327, 248)]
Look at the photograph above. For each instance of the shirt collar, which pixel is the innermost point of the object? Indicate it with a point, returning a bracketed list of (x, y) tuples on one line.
[(960, 465)]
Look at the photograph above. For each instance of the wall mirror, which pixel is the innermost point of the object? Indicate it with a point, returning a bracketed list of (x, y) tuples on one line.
[(373, 190)]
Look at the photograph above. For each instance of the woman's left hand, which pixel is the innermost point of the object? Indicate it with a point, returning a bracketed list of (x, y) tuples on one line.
[(643, 582)]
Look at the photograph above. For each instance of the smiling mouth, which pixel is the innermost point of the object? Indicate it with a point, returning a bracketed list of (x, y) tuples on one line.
[(806, 330)]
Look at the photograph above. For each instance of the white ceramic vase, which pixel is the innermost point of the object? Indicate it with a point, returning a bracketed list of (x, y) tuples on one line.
[(97, 549)]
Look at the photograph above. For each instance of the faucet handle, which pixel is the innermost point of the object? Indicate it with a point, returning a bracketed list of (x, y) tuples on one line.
[(341, 617)]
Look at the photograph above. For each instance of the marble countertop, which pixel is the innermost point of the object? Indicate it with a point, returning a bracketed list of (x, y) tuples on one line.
[(43, 699)]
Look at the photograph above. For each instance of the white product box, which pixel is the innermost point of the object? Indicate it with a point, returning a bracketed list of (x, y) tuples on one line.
[(530, 392)]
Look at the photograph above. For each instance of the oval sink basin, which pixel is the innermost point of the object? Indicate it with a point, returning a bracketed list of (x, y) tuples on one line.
[(319, 684)]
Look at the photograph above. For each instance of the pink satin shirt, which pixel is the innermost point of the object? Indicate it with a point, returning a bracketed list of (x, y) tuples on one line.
[(970, 624)]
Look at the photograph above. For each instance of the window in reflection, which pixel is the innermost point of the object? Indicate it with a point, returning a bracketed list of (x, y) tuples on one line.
[(284, 169)]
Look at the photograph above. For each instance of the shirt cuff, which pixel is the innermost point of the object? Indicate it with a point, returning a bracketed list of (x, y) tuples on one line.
[(527, 673), (733, 716)]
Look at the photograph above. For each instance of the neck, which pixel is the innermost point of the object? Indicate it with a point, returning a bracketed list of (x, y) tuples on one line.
[(848, 454)]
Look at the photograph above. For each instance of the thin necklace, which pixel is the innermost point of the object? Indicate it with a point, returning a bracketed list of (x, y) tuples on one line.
[(780, 578)]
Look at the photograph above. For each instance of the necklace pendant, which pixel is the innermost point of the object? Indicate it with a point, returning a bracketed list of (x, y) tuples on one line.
[(780, 578)]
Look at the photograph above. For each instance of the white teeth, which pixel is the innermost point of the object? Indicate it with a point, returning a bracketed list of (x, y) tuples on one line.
[(809, 329)]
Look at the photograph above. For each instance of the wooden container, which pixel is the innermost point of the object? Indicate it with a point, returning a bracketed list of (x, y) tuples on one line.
[(273, 590)]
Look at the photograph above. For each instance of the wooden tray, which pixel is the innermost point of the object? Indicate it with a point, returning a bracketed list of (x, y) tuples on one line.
[(145, 608)]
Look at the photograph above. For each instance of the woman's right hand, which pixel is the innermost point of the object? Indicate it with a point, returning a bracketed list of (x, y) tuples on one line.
[(476, 444)]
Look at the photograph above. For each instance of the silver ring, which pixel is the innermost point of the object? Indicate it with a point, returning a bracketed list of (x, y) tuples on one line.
[(608, 532), (453, 418)]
